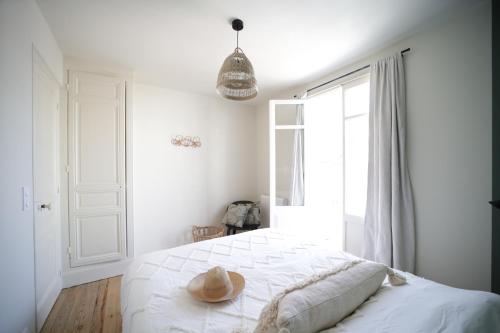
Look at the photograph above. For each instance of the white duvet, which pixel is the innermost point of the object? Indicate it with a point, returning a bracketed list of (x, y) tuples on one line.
[(154, 297)]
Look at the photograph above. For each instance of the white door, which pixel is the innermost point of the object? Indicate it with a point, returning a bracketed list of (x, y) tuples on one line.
[(306, 153), (46, 189), (283, 127), (96, 144)]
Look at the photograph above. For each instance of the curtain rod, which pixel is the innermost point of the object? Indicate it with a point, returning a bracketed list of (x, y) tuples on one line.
[(347, 74)]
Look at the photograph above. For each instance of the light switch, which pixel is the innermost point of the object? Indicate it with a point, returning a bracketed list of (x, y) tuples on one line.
[(26, 198)]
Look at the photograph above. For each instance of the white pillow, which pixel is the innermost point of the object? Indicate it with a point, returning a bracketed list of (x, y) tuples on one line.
[(322, 301)]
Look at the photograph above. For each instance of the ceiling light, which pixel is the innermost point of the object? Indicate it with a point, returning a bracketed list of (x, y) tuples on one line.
[(236, 79)]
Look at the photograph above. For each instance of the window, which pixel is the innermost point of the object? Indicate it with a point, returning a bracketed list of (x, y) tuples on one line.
[(320, 147), (356, 105), (324, 163), (339, 116)]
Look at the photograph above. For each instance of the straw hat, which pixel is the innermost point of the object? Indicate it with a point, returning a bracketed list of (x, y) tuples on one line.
[(216, 285)]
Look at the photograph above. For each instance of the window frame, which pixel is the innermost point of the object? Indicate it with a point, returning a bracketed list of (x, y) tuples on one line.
[(350, 81)]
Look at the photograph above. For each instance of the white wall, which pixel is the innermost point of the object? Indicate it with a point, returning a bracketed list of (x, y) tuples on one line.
[(449, 145), (177, 187), (21, 26)]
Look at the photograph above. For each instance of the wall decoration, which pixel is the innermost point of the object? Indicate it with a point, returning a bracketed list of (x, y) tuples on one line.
[(186, 141)]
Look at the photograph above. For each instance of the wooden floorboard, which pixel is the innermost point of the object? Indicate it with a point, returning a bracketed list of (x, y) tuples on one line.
[(88, 308)]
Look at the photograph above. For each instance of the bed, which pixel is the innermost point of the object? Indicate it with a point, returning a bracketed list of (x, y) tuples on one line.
[(154, 296)]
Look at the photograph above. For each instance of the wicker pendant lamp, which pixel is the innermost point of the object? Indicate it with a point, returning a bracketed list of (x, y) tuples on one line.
[(236, 79)]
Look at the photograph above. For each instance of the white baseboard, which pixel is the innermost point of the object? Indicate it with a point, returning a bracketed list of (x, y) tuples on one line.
[(47, 301), (90, 273)]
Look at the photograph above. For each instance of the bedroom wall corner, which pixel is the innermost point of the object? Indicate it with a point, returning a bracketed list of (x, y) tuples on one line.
[(177, 187)]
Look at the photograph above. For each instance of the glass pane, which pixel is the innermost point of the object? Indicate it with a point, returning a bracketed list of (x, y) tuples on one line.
[(356, 165), (289, 167), (357, 99), (287, 115), (324, 164)]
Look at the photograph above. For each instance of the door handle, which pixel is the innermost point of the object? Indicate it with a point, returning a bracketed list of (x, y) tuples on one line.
[(45, 206)]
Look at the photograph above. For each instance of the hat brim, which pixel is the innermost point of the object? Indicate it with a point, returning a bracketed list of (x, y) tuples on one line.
[(195, 288)]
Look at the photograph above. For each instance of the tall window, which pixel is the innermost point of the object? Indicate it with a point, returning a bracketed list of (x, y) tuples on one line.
[(356, 105), (320, 144), (339, 116)]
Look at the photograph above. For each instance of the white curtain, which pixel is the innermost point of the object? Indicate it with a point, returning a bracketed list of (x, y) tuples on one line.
[(389, 220), (296, 196)]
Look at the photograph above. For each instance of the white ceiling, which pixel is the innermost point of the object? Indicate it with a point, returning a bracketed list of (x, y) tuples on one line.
[(181, 44)]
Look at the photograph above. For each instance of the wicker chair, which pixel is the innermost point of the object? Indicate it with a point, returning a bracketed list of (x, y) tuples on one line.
[(205, 233)]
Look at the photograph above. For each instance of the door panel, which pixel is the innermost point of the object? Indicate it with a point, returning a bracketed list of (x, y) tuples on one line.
[(87, 200), (46, 189), (107, 244), (97, 139), (96, 143)]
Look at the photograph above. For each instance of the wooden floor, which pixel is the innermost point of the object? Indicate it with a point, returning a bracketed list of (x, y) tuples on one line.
[(91, 307)]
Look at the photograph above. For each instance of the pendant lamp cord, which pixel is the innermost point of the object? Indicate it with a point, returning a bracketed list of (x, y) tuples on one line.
[(237, 39)]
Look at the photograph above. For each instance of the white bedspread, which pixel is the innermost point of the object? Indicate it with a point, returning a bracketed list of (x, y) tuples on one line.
[(154, 298)]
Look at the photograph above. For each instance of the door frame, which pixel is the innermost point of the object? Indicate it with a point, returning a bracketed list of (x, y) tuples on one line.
[(83, 274), (78, 189), (495, 212), (39, 63)]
